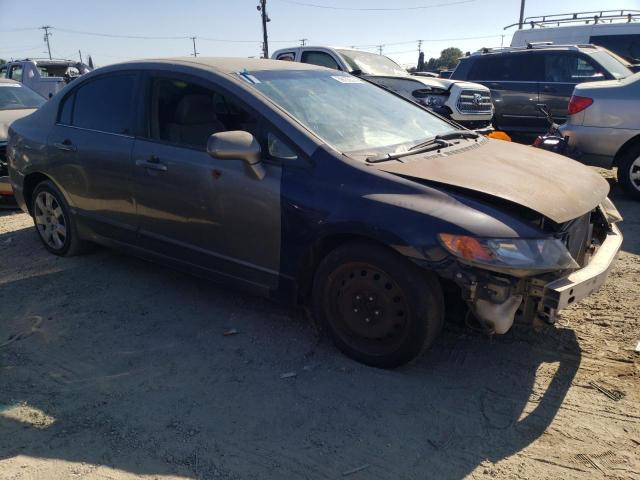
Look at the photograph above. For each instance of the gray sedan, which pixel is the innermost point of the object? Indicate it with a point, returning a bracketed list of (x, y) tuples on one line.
[(604, 127), (315, 187)]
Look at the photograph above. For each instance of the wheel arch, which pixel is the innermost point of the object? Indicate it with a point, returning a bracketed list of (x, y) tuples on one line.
[(315, 253), (629, 145), (31, 181)]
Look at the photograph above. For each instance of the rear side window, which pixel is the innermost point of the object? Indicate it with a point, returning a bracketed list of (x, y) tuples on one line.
[(16, 73), (104, 104), (522, 67), (627, 46), (321, 59), (567, 67)]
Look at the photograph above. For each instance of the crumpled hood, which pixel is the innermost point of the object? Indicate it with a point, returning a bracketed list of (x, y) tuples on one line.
[(555, 186), (8, 116)]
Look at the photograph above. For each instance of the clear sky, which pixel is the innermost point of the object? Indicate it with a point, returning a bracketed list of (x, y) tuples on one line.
[(446, 23)]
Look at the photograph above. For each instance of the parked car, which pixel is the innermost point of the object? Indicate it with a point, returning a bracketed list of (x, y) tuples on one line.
[(16, 101), (313, 186), (615, 30), (604, 127), (45, 77), (522, 78), (467, 103)]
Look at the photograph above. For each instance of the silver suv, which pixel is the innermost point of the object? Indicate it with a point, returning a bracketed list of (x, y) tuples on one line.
[(604, 127), (467, 103), (45, 77)]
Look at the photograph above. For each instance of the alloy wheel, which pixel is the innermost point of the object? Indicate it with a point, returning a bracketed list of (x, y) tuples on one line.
[(634, 173), (50, 220)]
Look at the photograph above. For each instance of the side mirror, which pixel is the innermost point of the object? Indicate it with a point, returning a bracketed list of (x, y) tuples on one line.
[(237, 145)]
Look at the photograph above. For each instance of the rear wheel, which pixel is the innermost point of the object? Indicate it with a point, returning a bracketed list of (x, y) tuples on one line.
[(55, 225), (629, 172), (379, 308)]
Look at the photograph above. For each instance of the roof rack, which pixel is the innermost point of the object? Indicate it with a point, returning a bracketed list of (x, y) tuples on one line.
[(43, 59), (533, 46), (602, 16)]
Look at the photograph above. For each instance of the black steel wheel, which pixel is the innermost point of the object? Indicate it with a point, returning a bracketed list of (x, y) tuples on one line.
[(378, 307)]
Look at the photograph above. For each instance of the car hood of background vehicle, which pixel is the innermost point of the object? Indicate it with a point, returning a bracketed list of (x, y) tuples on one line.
[(8, 116), (555, 186)]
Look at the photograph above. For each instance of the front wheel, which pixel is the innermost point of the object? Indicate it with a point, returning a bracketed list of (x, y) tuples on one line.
[(629, 172), (379, 308)]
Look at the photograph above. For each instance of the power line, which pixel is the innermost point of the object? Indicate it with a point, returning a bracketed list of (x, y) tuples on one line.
[(371, 9)]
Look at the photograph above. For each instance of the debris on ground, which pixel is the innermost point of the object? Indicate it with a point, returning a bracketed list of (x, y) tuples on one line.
[(288, 375), (230, 332), (355, 470), (612, 394)]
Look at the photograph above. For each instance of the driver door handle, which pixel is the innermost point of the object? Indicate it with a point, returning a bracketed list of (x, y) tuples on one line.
[(65, 145)]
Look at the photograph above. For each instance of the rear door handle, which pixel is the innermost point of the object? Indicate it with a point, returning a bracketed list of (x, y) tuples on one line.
[(152, 163), (65, 145)]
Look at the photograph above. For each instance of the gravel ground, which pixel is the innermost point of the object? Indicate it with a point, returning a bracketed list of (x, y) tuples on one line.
[(113, 368)]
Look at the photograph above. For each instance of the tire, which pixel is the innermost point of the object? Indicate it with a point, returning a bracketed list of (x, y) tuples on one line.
[(54, 222), (629, 172), (378, 307)]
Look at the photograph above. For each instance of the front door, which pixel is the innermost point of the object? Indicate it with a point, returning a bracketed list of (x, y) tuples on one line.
[(202, 211), (562, 71), (90, 152)]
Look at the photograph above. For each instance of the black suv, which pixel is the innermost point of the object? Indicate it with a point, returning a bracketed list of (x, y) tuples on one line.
[(521, 78)]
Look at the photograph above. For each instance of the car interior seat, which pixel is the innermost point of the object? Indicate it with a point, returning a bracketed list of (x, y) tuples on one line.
[(194, 120)]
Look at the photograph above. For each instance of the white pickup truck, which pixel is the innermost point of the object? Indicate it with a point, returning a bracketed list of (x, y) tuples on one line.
[(467, 103), (43, 76)]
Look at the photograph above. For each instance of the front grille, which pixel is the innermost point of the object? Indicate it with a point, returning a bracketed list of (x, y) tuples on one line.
[(474, 101)]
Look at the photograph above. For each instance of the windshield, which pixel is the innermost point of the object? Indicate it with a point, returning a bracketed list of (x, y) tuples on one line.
[(372, 64), (14, 96), (614, 66), (346, 112)]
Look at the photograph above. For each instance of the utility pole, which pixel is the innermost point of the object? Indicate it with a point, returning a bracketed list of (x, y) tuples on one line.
[(419, 46), (193, 39), (303, 41), (262, 8), (521, 14), (380, 49), (80, 55), (501, 40), (46, 37)]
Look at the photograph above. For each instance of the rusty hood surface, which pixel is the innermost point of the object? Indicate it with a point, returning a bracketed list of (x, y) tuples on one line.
[(555, 186)]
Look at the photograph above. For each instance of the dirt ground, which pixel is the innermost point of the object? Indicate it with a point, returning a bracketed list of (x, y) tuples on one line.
[(113, 368)]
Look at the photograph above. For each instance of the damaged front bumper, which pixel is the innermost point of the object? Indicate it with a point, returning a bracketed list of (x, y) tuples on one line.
[(497, 300)]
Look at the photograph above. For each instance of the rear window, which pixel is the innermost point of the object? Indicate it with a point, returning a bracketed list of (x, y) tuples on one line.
[(14, 96), (627, 46), (610, 63), (507, 68), (321, 59), (104, 104)]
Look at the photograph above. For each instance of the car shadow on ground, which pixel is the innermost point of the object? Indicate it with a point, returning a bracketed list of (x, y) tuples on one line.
[(108, 360)]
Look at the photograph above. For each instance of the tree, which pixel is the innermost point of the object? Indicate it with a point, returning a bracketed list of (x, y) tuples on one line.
[(449, 57)]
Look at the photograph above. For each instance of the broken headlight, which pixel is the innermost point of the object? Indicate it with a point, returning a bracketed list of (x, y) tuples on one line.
[(517, 256)]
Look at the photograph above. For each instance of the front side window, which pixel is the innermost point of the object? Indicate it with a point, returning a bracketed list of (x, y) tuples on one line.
[(186, 113), (104, 104), (567, 67), (15, 96), (348, 113), (321, 59)]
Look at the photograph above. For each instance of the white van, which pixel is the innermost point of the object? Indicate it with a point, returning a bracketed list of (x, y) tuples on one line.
[(618, 31)]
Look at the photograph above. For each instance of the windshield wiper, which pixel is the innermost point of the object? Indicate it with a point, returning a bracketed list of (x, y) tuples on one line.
[(458, 134), (434, 143)]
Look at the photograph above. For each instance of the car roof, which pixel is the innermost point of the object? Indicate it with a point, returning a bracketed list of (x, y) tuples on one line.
[(230, 64)]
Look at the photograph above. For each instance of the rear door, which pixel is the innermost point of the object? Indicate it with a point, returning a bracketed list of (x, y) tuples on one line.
[(513, 80), (202, 211), (90, 152), (562, 71)]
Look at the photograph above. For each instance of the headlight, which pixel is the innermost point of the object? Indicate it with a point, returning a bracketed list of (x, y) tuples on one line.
[(518, 256)]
